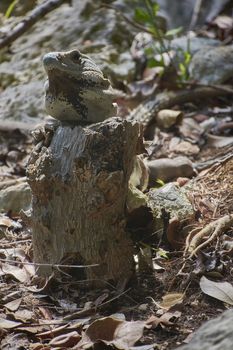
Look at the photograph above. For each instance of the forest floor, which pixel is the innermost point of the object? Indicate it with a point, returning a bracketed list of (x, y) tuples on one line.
[(181, 279)]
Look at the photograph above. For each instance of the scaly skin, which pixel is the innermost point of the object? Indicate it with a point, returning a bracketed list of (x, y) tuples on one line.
[(76, 90)]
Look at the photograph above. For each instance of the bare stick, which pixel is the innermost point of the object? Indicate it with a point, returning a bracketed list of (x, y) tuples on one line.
[(196, 12), (127, 19), (38, 13)]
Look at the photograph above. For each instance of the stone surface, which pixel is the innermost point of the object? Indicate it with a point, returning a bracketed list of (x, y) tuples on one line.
[(192, 45), (16, 197), (172, 199), (216, 334), (167, 169), (212, 65), (179, 13)]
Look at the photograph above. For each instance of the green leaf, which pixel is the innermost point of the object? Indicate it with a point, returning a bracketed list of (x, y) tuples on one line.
[(162, 253), (173, 32), (160, 182), (155, 9), (155, 31), (183, 72), (152, 62), (149, 51), (141, 15), (187, 57), (182, 69), (10, 8)]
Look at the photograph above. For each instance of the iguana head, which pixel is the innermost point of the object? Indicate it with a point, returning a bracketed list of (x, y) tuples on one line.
[(76, 89)]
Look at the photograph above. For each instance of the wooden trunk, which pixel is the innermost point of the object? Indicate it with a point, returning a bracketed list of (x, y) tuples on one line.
[(79, 188)]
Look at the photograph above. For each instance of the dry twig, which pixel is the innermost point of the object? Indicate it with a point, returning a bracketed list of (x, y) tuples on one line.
[(38, 13)]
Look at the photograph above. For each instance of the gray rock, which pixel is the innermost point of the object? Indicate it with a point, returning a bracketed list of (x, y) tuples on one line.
[(194, 44), (23, 102), (179, 13), (216, 334), (172, 199), (167, 169), (212, 65), (16, 197)]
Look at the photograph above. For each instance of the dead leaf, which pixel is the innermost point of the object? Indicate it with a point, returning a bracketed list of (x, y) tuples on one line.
[(223, 22), (112, 331), (144, 347), (219, 141), (171, 299), (45, 313), (14, 304), (101, 299), (128, 333), (153, 322), (143, 88), (7, 324), (15, 341), (157, 267), (6, 221), (30, 269), (168, 316), (33, 329), (65, 340), (53, 332), (219, 290), (39, 346), (24, 315), (41, 284), (13, 253), (16, 272), (165, 319), (200, 117), (190, 129)]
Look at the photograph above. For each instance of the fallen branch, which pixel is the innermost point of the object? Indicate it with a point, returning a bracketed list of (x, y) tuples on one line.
[(146, 111), (224, 88), (38, 13)]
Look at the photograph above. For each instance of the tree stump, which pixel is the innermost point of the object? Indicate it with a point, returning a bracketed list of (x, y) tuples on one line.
[(79, 187)]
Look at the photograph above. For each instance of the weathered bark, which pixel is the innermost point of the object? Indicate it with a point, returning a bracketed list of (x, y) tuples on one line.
[(79, 187)]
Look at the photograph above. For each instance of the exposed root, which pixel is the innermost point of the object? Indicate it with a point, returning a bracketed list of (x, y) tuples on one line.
[(213, 231)]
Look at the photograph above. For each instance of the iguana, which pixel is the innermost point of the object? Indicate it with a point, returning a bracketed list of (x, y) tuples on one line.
[(76, 90)]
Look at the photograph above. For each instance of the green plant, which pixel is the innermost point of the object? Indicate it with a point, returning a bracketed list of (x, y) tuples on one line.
[(183, 73), (159, 51), (11, 8)]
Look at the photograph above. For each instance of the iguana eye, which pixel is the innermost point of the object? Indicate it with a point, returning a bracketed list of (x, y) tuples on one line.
[(76, 56)]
